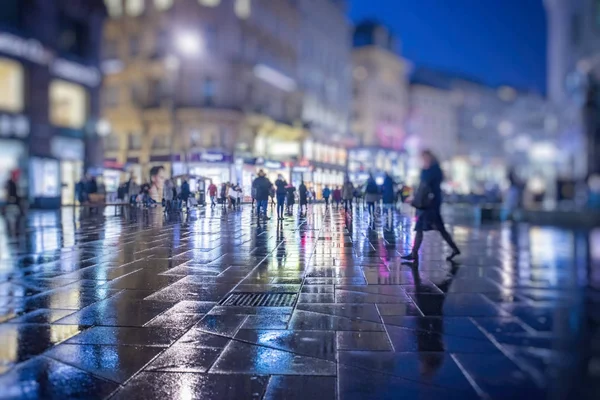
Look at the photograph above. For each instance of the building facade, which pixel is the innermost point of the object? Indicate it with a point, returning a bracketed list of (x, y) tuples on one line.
[(221, 88), (380, 102), (201, 87), (49, 105), (573, 78)]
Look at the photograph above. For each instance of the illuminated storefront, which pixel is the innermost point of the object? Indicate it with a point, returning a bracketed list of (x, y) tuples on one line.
[(14, 126), (212, 164), (376, 161)]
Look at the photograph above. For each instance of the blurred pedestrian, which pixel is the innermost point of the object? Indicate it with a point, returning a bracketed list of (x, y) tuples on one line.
[(280, 192), (185, 193), (12, 191), (371, 194), (81, 190), (133, 190), (233, 195), (347, 194), (223, 195), (262, 187), (388, 194), (428, 201), (157, 183), (303, 194), (291, 197), (212, 193), (337, 197), (168, 195), (326, 194)]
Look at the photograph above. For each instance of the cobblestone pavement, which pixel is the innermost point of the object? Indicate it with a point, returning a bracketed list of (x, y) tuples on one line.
[(216, 306)]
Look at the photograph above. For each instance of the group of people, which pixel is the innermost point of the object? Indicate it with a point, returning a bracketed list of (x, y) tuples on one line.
[(283, 192)]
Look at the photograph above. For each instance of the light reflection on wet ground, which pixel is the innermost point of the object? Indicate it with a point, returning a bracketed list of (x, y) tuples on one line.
[(130, 304)]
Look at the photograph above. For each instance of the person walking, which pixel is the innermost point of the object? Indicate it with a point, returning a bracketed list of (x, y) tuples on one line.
[(81, 191), (233, 195), (12, 192), (212, 193), (371, 195), (185, 193), (303, 194), (428, 201), (347, 194), (262, 187), (280, 192), (326, 193), (291, 198), (168, 195), (337, 197), (133, 190), (388, 195), (223, 195)]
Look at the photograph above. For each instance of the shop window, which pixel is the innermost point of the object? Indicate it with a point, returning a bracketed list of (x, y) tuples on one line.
[(135, 8), (209, 3), (68, 104), (11, 85), (242, 9)]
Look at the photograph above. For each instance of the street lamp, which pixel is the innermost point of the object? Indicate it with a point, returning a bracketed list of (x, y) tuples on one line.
[(187, 44)]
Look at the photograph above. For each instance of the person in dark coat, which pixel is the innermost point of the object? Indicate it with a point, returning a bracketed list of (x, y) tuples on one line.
[(12, 191), (431, 218), (262, 185), (326, 193), (280, 192), (387, 193), (372, 195), (290, 197), (303, 194), (185, 192)]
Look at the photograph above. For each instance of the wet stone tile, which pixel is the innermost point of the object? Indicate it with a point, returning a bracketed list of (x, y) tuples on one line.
[(246, 358), (42, 316), (150, 336), (302, 320), (197, 338), (373, 341), (224, 325), (316, 344), (161, 385), (301, 387), (115, 363), (435, 340), (266, 321), (184, 358), (44, 378)]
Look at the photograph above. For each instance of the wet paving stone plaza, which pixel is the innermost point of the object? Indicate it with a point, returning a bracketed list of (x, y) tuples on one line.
[(214, 305)]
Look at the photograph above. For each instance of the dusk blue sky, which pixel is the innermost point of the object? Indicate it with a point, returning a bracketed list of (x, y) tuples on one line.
[(494, 41)]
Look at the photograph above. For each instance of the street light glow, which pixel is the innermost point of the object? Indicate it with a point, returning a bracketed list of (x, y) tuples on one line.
[(189, 43)]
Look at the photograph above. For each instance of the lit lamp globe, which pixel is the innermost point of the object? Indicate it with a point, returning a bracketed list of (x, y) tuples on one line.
[(188, 43)]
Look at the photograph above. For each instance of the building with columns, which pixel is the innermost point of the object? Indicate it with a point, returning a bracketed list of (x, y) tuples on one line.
[(380, 102), (202, 87)]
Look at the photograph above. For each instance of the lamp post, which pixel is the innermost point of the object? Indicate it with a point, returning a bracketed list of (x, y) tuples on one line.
[(188, 44)]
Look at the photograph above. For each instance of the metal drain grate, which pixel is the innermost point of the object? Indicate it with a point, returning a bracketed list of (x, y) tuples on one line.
[(260, 299)]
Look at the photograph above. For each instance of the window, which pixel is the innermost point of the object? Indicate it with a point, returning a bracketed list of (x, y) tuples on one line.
[(208, 91), (73, 36), (209, 3), (11, 85), (163, 5), (242, 9), (114, 8), (112, 142), (111, 49), (110, 96), (135, 8), (161, 142), (134, 45), (135, 141), (68, 104)]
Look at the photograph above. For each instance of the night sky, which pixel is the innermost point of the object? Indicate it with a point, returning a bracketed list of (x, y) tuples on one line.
[(494, 41)]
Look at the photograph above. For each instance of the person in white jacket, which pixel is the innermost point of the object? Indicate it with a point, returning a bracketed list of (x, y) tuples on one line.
[(233, 196)]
